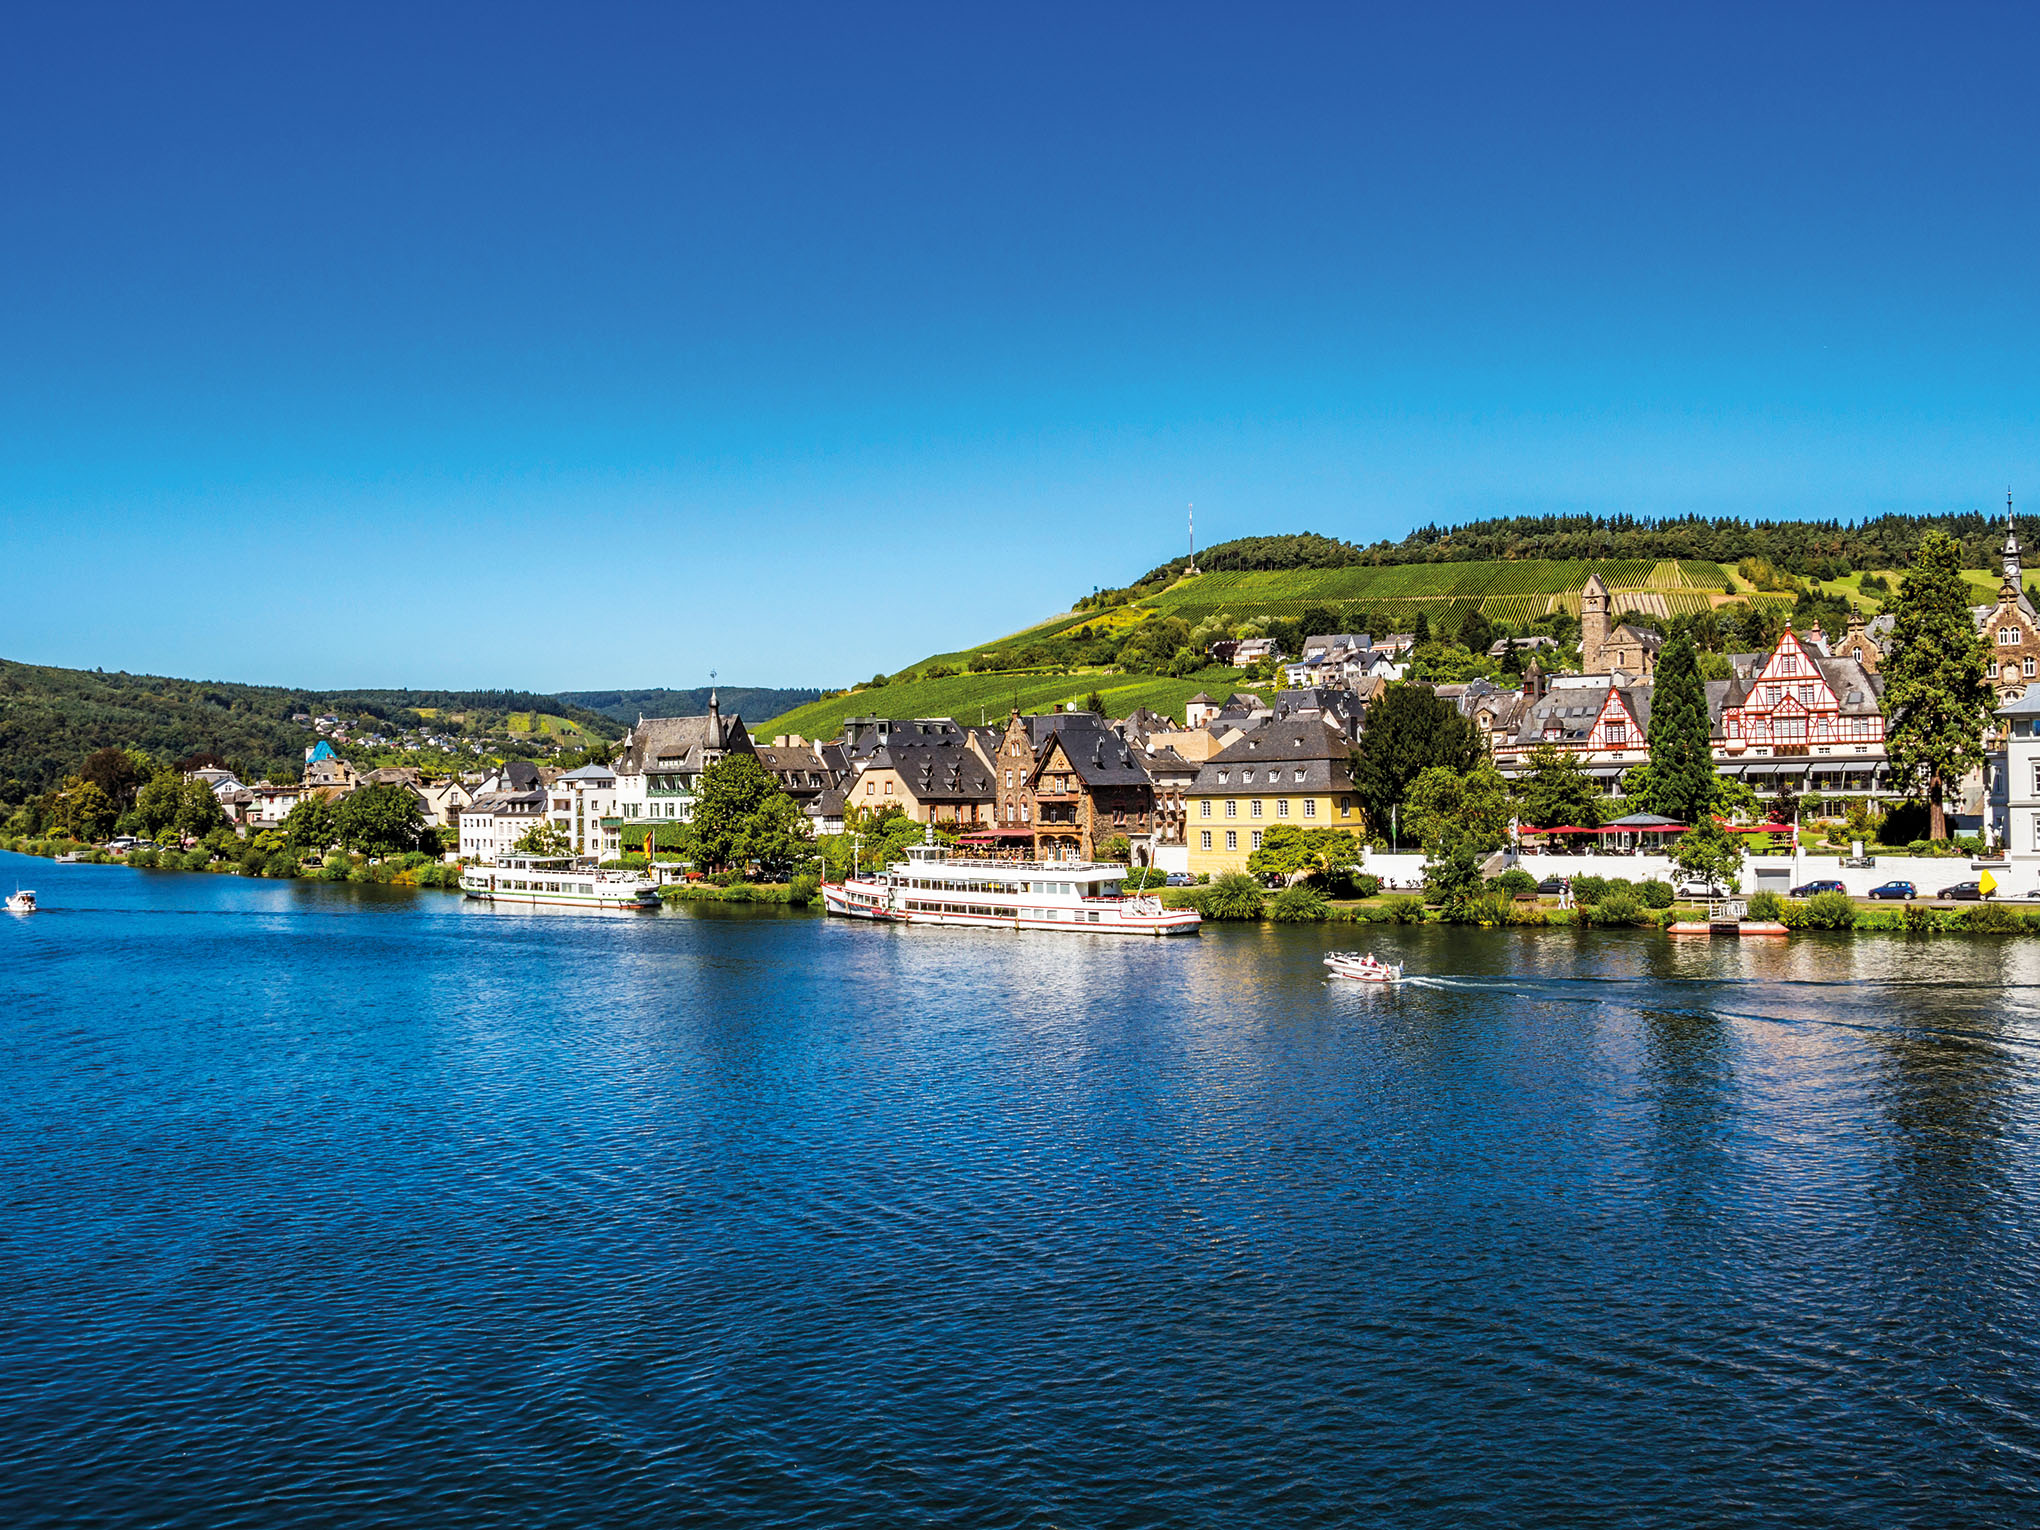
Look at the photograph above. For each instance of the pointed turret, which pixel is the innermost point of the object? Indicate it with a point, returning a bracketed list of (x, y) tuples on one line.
[(2013, 566)]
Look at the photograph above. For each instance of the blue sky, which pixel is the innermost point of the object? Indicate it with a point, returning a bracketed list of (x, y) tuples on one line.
[(599, 346)]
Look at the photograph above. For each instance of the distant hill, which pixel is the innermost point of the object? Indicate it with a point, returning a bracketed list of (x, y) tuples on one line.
[(50, 719), (753, 703)]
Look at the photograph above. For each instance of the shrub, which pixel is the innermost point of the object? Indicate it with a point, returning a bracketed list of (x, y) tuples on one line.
[(1826, 911), (1300, 905), (802, 890), (1655, 893), (1404, 908), (1991, 919), (281, 865), (1619, 906), (1765, 905), (1589, 889), (1233, 896), (1526, 913), (1366, 885), (739, 892), (1515, 882), (1919, 920), (149, 859)]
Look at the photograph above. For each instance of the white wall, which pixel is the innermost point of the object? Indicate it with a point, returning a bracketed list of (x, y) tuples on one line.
[(1775, 872)]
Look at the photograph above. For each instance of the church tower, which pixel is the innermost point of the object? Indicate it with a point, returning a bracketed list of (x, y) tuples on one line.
[(1593, 624)]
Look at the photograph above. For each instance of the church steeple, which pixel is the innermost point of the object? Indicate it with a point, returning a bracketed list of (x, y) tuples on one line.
[(2012, 564)]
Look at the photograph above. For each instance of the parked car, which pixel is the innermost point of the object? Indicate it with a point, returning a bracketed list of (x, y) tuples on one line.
[(1904, 891), (1965, 892), (1551, 887), (1178, 879), (1699, 887), (1808, 889)]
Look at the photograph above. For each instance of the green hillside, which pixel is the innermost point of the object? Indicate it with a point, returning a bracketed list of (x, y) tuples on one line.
[(974, 698), (1069, 655)]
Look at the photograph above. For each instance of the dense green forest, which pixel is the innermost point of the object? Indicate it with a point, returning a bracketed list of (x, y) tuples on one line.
[(751, 702), (1811, 549), (50, 719)]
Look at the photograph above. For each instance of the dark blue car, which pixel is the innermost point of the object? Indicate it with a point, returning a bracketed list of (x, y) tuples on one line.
[(1903, 891)]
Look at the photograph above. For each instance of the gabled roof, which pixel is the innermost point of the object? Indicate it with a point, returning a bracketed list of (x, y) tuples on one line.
[(1097, 757), (681, 743), (1243, 767)]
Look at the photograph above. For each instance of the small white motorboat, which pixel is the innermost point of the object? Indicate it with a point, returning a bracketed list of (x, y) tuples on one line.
[(21, 901), (1363, 966)]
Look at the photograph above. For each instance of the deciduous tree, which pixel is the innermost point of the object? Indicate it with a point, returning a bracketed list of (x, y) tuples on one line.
[(379, 820), (1555, 791)]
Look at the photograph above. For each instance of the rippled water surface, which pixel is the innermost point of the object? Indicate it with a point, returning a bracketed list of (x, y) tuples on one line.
[(352, 1206)]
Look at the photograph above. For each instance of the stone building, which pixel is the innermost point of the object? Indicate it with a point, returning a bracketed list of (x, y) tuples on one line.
[(1604, 649), (2011, 628)]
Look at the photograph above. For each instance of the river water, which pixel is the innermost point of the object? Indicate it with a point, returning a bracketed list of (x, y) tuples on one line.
[(338, 1206)]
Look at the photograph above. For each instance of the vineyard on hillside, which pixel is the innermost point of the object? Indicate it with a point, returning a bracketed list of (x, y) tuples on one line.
[(1508, 592), (974, 698)]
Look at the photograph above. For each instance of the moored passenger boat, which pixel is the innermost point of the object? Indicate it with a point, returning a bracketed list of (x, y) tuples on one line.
[(1011, 895), (557, 880)]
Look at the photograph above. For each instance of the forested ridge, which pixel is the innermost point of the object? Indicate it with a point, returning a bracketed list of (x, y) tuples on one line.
[(1800, 547), (51, 718)]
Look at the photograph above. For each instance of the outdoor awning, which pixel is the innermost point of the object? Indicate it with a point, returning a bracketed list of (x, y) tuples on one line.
[(1758, 828)]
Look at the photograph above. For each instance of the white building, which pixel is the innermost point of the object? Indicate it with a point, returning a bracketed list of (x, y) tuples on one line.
[(492, 824), (663, 758), (585, 806), (2019, 779)]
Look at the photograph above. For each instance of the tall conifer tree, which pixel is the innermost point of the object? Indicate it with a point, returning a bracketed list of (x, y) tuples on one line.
[(1936, 685), (1680, 780)]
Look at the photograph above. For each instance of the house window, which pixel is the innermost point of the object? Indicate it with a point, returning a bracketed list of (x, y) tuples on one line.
[(1232, 839), (2026, 666), (1232, 807), (1009, 780), (888, 788), (870, 787), (1205, 805), (1282, 808), (1257, 839), (2008, 637), (2036, 778), (1257, 807), (1345, 807), (1310, 807), (1204, 836)]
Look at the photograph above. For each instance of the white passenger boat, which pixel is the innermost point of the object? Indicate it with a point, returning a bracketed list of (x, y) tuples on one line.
[(1363, 966), (1006, 895), (557, 879), (21, 901)]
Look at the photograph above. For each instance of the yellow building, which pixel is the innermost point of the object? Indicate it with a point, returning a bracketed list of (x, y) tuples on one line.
[(1297, 773)]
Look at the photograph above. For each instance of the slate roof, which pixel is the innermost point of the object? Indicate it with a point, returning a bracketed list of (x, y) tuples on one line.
[(1269, 759), (1566, 713), (1856, 689), (590, 773), (1098, 757), (681, 743), (938, 770)]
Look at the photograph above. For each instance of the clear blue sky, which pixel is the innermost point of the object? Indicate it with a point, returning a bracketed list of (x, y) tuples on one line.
[(579, 346)]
